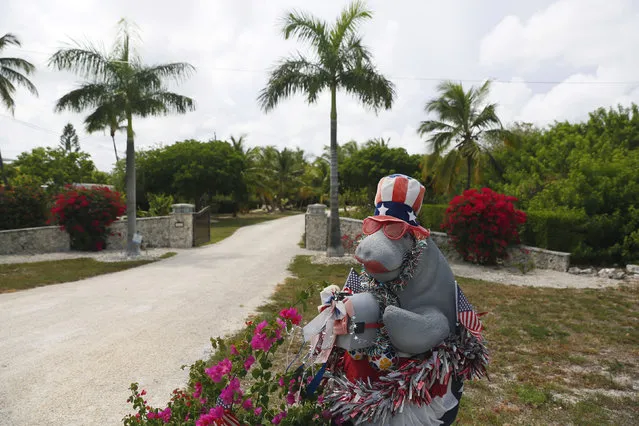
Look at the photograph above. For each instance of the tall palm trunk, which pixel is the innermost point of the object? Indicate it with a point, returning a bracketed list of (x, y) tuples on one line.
[(115, 149), (335, 248), (4, 174), (131, 248), (468, 171)]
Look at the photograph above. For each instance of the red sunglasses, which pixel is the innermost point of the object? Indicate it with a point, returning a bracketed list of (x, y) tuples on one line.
[(393, 230)]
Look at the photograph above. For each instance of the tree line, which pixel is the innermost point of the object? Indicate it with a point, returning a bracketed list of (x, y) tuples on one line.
[(568, 166)]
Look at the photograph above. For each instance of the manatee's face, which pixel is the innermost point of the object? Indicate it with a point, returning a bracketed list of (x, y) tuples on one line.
[(382, 257)]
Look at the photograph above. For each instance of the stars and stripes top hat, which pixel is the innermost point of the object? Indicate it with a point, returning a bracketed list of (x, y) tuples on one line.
[(399, 199)]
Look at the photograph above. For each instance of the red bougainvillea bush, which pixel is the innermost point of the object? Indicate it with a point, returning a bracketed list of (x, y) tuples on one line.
[(482, 224), (86, 213)]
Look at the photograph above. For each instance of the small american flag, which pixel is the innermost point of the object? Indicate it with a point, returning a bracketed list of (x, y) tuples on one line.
[(467, 316), (353, 283), (228, 419)]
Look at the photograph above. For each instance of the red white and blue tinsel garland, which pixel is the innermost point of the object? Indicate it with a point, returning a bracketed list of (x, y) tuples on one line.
[(461, 356)]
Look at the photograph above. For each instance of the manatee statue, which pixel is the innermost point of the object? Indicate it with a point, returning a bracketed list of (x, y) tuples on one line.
[(412, 337)]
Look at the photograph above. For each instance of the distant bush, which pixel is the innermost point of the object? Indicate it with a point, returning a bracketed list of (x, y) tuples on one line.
[(599, 239), (86, 213), (23, 206), (160, 204)]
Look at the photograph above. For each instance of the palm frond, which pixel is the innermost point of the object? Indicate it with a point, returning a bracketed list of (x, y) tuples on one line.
[(178, 71), (6, 94), (9, 39), (487, 118), (372, 88), (161, 103), (428, 126), (17, 63), (105, 116), (447, 172), (17, 78), (353, 53), (348, 22), (86, 60), (290, 77), (89, 95), (305, 27)]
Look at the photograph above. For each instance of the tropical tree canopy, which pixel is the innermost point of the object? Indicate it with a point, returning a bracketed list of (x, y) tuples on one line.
[(120, 85), (459, 135), (338, 59)]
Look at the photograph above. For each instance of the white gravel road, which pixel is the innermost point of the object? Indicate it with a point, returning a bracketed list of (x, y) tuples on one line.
[(69, 352)]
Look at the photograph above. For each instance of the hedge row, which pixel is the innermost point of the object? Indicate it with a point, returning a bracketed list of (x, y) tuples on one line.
[(23, 207)]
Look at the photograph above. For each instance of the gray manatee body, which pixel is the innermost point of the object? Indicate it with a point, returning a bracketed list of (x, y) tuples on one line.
[(427, 314)]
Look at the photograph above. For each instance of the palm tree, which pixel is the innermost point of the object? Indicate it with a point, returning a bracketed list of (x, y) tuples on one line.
[(13, 72), (118, 83), (339, 61), (464, 122), (106, 118)]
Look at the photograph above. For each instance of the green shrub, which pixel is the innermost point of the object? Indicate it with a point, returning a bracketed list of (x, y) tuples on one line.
[(23, 206), (598, 239), (160, 204), (560, 230), (431, 216)]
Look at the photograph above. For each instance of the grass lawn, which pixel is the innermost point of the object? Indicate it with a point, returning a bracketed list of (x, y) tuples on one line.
[(558, 356), (226, 225), (20, 276)]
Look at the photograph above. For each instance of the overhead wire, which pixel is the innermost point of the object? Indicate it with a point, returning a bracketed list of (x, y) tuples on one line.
[(423, 78)]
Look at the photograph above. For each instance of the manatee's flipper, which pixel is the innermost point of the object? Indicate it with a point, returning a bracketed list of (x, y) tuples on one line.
[(415, 333)]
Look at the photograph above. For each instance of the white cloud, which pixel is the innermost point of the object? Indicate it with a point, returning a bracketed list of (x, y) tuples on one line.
[(586, 42)]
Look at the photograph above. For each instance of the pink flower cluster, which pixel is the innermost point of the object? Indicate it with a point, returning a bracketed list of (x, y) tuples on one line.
[(260, 339), (278, 418), (232, 394), (214, 414), (219, 370), (292, 315), (164, 415)]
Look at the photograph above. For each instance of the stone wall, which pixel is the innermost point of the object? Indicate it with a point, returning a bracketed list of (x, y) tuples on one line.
[(523, 256), (44, 239), (175, 231)]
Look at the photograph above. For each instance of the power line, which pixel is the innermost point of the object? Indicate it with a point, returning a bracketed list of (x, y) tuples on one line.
[(418, 78)]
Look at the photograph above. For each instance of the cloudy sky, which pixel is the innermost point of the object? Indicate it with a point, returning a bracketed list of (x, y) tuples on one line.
[(553, 60)]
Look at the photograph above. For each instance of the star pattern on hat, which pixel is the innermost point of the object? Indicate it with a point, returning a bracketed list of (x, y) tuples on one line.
[(411, 216), (382, 210)]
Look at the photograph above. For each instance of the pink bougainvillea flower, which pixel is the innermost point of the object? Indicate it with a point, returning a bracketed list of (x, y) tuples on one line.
[(219, 370), (234, 350), (198, 390), (257, 411), (249, 362), (247, 404), (292, 315), (290, 398), (232, 392)]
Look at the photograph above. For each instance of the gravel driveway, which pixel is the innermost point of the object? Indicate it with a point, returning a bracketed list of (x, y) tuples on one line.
[(69, 352)]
